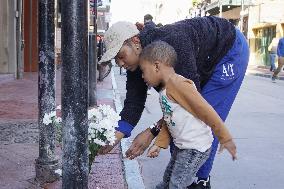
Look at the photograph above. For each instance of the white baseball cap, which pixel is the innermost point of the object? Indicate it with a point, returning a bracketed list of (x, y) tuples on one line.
[(115, 37)]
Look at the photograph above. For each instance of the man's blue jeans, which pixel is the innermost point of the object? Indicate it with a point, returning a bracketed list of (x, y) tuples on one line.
[(272, 61)]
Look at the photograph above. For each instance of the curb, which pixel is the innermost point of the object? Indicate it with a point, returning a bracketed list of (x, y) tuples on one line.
[(133, 176), (264, 75)]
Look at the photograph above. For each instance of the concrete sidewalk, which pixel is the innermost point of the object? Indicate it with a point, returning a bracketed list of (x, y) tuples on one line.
[(19, 137)]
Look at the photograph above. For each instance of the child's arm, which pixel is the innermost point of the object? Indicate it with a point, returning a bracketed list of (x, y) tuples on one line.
[(185, 94)]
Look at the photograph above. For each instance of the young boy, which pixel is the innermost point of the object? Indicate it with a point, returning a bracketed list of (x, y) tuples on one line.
[(186, 116)]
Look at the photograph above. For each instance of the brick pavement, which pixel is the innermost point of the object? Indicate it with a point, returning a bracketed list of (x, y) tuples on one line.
[(19, 137)]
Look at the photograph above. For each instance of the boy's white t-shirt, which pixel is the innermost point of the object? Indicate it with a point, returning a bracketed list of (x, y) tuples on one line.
[(187, 131)]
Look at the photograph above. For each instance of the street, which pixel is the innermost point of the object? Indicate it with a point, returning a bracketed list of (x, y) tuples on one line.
[(256, 123)]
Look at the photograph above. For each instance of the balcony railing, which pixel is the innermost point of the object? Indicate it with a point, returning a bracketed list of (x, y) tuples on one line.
[(233, 3)]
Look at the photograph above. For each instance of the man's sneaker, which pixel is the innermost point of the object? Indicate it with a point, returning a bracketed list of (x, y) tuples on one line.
[(273, 79), (201, 184)]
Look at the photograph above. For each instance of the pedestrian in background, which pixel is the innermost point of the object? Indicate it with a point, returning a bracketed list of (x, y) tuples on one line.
[(100, 47), (187, 117), (148, 22), (159, 25), (280, 54), (272, 49), (211, 52)]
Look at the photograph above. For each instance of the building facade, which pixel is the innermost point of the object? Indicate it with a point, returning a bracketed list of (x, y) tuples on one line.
[(19, 34), (19, 38), (259, 20), (266, 21), (8, 37)]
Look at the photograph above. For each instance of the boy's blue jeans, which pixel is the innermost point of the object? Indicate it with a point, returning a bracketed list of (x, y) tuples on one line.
[(222, 88), (182, 168)]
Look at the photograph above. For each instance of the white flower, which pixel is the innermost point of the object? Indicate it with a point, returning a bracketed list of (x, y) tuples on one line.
[(47, 119), (58, 107), (99, 142), (52, 114), (58, 171), (102, 123), (93, 113)]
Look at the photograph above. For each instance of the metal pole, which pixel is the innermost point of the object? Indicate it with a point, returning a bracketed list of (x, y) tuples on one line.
[(220, 8), (46, 163), (20, 66), (93, 60), (92, 70), (242, 16), (75, 94)]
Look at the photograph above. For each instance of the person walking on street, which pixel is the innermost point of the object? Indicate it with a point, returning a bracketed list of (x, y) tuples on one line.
[(186, 115), (211, 52), (272, 49), (280, 54)]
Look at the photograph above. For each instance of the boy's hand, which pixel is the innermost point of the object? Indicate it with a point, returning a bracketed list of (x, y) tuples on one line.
[(153, 151), (107, 148), (231, 147)]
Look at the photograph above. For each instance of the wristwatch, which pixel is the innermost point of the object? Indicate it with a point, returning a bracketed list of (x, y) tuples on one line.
[(155, 129)]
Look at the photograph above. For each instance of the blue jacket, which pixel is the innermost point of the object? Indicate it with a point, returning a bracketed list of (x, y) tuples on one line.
[(280, 47)]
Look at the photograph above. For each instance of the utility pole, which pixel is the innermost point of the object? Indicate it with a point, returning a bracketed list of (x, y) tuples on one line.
[(46, 163), (93, 58), (220, 8), (75, 94), (19, 40)]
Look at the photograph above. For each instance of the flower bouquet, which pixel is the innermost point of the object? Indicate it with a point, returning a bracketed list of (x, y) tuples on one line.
[(102, 122)]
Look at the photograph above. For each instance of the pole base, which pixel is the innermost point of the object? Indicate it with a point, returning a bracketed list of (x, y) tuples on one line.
[(45, 171)]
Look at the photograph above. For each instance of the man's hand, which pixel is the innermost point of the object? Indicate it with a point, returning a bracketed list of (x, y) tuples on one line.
[(231, 147), (140, 144), (153, 151), (107, 148)]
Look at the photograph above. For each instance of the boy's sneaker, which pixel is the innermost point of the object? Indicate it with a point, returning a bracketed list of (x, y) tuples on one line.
[(201, 184)]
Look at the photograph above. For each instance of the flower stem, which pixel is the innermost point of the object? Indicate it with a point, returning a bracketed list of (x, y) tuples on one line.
[(94, 148)]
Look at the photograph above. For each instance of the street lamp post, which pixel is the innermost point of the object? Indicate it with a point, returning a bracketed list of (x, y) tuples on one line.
[(46, 163), (75, 94)]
